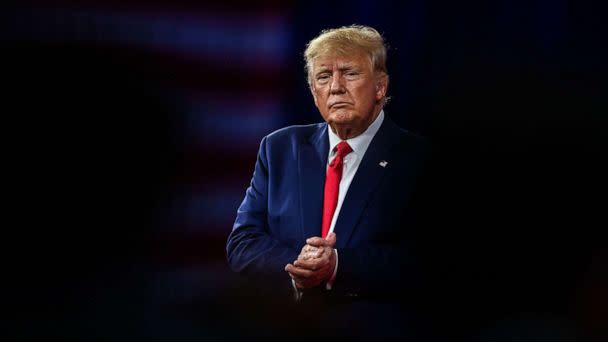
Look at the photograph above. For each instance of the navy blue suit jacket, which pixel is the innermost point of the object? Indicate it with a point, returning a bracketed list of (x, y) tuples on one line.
[(376, 227)]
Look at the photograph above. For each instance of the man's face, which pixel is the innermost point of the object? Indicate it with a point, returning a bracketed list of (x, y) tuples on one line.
[(347, 92)]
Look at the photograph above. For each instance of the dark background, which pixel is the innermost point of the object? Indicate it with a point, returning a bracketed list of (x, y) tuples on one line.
[(131, 130)]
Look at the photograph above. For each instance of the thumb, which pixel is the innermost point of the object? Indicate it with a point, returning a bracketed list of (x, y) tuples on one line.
[(331, 239)]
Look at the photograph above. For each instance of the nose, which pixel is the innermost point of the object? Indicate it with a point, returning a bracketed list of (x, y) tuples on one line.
[(337, 84)]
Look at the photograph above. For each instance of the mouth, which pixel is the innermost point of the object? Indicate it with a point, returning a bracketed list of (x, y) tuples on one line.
[(340, 104)]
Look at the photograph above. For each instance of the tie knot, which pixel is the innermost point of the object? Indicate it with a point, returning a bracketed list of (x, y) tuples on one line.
[(343, 148)]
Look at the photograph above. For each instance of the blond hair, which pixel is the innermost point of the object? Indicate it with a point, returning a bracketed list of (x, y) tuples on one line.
[(344, 41)]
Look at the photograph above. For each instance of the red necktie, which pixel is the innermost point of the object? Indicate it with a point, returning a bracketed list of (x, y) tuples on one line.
[(332, 186)]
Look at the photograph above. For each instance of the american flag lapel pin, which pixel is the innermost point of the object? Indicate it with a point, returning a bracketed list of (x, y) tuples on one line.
[(383, 163)]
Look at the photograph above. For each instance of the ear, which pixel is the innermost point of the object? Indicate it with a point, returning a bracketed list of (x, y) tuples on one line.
[(381, 86)]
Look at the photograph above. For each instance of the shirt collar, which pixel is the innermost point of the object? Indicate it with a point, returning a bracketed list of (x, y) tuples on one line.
[(360, 143)]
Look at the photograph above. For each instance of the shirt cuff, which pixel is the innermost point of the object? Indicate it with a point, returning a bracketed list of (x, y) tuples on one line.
[(331, 280), (297, 294)]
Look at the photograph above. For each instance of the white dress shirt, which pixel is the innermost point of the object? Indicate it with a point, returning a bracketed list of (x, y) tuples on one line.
[(359, 145)]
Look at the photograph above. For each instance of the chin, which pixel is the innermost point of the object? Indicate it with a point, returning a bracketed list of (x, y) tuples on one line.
[(341, 118)]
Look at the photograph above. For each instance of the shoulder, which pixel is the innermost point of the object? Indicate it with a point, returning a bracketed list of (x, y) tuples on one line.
[(404, 138), (294, 133), (287, 141)]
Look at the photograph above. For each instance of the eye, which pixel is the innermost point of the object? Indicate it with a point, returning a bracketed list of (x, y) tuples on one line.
[(351, 74), (323, 78)]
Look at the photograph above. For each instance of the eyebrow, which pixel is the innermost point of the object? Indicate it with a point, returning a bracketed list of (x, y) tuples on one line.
[(344, 67)]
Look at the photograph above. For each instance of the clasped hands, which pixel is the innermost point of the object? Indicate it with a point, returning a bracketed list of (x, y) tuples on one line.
[(315, 263)]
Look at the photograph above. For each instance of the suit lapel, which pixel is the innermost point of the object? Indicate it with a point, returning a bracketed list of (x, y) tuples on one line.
[(368, 176), (312, 161)]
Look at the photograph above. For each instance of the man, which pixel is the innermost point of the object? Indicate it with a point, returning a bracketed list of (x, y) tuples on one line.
[(329, 211)]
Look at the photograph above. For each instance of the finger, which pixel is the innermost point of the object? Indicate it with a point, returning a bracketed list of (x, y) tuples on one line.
[(313, 280), (324, 252), (331, 239), (309, 255), (308, 248), (317, 253), (324, 271), (312, 264), (309, 251), (315, 241), (298, 272), (320, 242)]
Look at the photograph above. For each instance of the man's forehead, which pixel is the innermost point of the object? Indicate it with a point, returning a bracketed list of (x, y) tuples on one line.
[(341, 61)]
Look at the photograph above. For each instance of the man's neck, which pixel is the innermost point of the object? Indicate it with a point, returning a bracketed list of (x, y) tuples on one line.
[(348, 132)]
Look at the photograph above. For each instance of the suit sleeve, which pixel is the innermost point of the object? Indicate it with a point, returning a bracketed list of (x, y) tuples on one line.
[(251, 249)]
